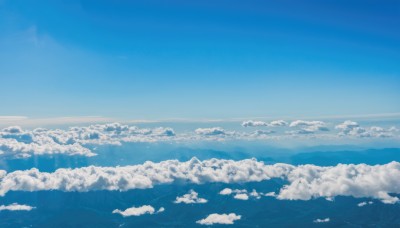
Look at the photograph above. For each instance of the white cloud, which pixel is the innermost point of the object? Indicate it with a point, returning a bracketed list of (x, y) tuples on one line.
[(241, 196), (225, 191), (325, 220), (275, 123), (347, 125), (350, 128), (252, 123), (210, 131), (307, 127), (16, 149), (263, 132), (305, 182), (227, 219), (16, 207), (278, 123), (138, 211), (191, 197), (270, 194), (255, 194), (19, 143), (16, 142), (309, 181), (362, 204)]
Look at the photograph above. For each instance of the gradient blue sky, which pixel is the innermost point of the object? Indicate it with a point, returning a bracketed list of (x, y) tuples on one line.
[(158, 59)]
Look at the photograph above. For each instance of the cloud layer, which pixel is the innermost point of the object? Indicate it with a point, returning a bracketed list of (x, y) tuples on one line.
[(16, 142), (304, 182)]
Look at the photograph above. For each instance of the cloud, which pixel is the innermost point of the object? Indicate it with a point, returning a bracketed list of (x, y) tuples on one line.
[(16, 207), (263, 132), (138, 211), (307, 127), (304, 182), (347, 125), (325, 220), (362, 204), (310, 181), (18, 143), (210, 131), (227, 219), (278, 123), (14, 148), (191, 197), (275, 123), (251, 123), (241, 196), (353, 129), (225, 191)]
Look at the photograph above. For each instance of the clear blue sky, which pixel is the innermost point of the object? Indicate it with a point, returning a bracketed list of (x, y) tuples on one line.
[(156, 59)]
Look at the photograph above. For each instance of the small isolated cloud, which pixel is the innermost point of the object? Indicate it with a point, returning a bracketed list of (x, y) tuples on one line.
[(241, 196), (362, 204), (138, 211), (227, 219), (270, 194), (189, 198), (225, 191), (16, 207), (325, 220)]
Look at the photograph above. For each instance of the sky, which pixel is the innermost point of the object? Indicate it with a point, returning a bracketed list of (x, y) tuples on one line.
[(159, 59)]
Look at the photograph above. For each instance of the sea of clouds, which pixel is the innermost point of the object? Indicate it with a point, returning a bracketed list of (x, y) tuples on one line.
[(304, 182), (16, 142)]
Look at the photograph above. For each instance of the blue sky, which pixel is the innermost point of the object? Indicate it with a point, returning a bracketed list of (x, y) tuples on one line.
[(199, 59)]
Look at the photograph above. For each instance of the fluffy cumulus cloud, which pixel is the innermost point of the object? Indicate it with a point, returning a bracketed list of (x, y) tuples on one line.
[(353, 129), (226, 219), (304, 182), (241, 196), (275, 123), (308, 127), (325, 220), (310, 181), (18, 143), (211, 131), (16, 207), (138, 211), (252, 123), (189, 198)]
